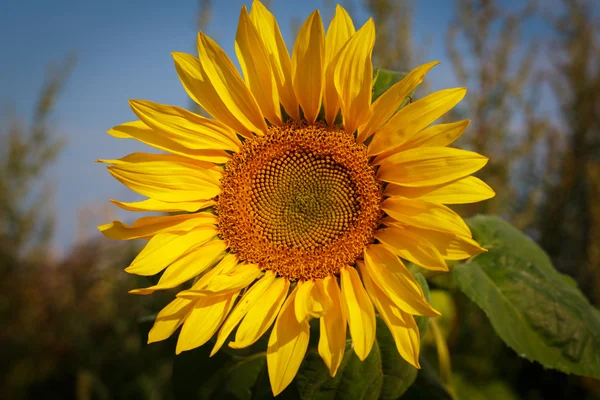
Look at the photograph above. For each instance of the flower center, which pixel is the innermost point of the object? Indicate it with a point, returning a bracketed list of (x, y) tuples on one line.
[(302, 201)]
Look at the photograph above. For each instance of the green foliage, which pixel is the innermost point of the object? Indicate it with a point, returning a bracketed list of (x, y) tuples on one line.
[(383, 80), (537, 311), (427, 386)]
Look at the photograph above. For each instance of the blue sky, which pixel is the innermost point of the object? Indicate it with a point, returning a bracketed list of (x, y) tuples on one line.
[(123, 51)]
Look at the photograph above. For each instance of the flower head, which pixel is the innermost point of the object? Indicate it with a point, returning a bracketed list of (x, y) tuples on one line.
[(283, 211)]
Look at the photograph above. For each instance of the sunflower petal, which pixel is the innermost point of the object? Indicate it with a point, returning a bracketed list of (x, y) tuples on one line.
[(225, 265), (413, 118), (438, 135), (165, 248), (450, 246), (388, 272), (359, 311), (428, 166), (254, 60), (186, 128), (165, 177), (156, 205), (332, 340), (203, 321), (411, 247), (311, 300), (227, 82), (389, 102), (261, 316), (353, 77), (287, 345), (252, 296), (187, 267), (268, 29), (461, 191), (339, 31), (141, 132), (147, 227), (402, 325), (307, 66), (169, 319), (237, 279), (423, 214), (199, 87)]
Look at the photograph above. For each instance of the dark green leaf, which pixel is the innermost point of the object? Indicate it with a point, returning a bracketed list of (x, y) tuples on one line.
[(427, 386), (537, 311), (384, 79), (423, 321), (382, 375)]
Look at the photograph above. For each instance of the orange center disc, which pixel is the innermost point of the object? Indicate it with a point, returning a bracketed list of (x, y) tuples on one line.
[(302, 201)]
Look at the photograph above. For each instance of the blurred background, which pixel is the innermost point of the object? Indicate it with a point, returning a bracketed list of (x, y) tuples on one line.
[(68, 328)]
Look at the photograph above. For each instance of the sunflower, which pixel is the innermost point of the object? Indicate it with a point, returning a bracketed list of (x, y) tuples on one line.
[(299, 198)]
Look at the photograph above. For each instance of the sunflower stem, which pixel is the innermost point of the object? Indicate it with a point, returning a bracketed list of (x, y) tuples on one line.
[(445, 366)]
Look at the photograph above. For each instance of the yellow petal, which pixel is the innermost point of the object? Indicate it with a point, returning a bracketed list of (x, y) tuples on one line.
[(252, 296), (359, 311), (411, 247), (402, 325), (139, 131), (450, 246), (438, 135), (187, 267), (156, 205), (203, 321), (423, 214), (388, 272), (302, 296), (226, 80), (147, 227), (268, 29), (388, 103), (166, 177), (353, 77), (261, 316), (237, 279), (165, 248), (332, 339), (227, 264), (307, 66), (461, 191), (413, 118), (199, 87), (311, 300), (186, 128), (254, 60), (169, 319), (340, 30), (287, 345), (428, 166)]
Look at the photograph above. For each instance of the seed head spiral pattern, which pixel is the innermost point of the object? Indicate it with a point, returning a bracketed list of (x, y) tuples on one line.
[(301, 201)]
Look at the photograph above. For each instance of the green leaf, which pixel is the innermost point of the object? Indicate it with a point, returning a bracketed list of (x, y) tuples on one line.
[(427, 386), (537, 311), (422, 322), (382, 375), (384, 79), (493, 389)]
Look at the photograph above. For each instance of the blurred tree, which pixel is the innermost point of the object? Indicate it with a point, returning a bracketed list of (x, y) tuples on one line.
[(394, 48), (484, 45), (570, 221), (26, 223)]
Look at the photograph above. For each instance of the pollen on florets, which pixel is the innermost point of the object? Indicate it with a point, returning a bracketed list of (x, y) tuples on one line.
[(302, 201)]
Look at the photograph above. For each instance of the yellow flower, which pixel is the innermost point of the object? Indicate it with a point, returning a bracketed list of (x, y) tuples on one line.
[(290, 215)]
